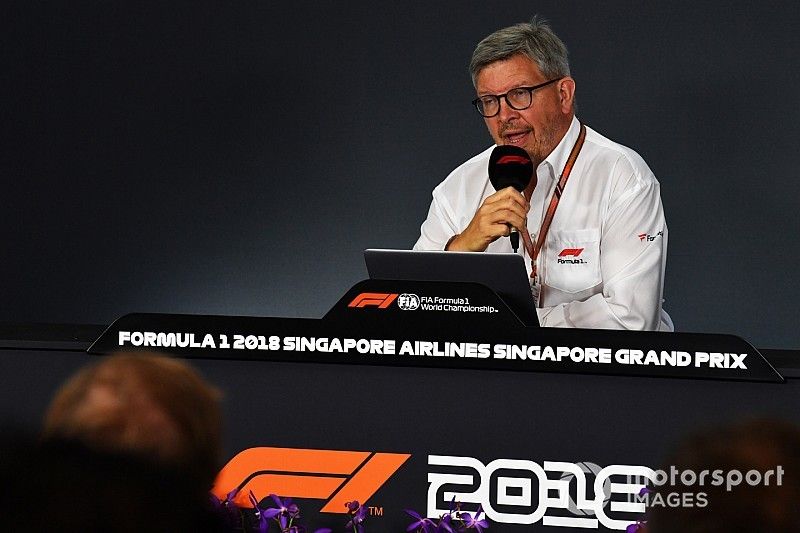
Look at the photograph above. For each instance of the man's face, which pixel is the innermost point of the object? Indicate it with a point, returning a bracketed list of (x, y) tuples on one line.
[(537, 129)]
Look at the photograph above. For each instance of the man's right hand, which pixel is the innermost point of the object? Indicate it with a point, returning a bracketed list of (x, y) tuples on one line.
[(493, 220)]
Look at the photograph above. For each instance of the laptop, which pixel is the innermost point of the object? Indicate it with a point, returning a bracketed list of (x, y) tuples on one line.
[(505, 273)]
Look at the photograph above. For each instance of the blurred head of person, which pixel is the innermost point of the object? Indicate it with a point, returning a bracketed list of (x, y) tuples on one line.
[(754, 446), (145, 404)]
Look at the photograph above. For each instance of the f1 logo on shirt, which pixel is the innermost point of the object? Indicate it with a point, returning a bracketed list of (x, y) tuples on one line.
[(380, 300), (650, 238), (570, 256)]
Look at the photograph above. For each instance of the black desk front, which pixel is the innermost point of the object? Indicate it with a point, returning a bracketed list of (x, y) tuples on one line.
[(409, 436)]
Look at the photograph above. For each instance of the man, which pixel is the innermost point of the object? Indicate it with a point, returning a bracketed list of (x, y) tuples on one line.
[(596, 254)]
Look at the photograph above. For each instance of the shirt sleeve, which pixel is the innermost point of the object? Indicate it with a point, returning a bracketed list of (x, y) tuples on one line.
[(438, 227), (633, 251)]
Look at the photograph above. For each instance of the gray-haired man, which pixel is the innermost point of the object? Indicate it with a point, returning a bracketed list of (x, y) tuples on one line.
[(593, 227)]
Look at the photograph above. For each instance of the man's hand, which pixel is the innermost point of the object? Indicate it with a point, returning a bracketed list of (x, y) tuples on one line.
[(493, 220)]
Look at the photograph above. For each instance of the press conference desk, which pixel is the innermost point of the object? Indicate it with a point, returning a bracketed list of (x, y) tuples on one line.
[(425, 415)]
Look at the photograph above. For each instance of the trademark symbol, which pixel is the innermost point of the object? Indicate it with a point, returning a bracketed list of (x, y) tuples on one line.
[(375, 511)]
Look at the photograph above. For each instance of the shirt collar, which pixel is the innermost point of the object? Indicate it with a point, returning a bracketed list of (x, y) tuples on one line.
[(557, 159)]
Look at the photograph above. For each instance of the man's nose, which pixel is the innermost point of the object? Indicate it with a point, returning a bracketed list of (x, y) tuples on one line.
[(506, 111)]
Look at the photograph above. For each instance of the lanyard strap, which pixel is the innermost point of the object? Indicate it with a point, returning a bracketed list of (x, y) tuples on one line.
[(533, 250)]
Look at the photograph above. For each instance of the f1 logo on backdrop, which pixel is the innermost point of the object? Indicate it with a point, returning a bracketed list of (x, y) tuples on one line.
[(337, 476), (380, 300)]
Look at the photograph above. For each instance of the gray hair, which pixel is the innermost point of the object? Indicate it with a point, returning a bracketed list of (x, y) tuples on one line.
[(534, 39)]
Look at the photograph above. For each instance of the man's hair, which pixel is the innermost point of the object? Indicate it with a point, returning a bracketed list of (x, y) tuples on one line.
[(534, 39), (145, 404)]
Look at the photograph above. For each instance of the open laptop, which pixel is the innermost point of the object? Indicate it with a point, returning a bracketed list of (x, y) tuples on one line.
[(505, 273)]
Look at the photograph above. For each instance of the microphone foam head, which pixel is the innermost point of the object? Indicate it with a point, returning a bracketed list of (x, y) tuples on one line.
[(510, 166)]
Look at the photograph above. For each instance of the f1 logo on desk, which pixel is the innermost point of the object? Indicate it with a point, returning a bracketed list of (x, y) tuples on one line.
[(337, 476), (380, 300)]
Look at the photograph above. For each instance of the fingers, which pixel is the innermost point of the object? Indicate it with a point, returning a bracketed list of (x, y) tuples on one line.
[(508, 217), (507, 206), (509, 195), (494, 219)]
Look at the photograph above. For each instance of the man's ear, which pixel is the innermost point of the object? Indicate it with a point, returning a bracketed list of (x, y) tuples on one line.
[(566, 94)]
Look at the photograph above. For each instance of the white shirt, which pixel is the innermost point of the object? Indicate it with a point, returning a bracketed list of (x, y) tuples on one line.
[(602, 263)]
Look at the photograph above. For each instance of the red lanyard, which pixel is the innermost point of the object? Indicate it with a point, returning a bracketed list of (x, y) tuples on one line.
[(533, 250)]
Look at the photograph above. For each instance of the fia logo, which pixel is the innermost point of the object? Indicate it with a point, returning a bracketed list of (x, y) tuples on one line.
[(408, 302)]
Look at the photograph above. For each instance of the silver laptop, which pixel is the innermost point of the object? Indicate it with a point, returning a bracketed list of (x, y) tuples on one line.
[(505, 273)]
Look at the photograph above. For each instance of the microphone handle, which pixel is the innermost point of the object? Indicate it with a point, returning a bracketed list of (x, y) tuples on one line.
[(514, 236)]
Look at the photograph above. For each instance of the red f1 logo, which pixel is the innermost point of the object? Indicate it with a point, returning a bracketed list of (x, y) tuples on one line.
[(373, 299), (574, 252), (506, 159)]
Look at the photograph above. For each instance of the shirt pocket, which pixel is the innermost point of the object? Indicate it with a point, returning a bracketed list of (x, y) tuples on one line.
[(573, 260)]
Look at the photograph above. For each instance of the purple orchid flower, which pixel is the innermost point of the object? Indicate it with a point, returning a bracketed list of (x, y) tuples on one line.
[(635, 527), (471, 521), (227, 511), (358, 513), (285, 507), (216, 503), (231, 495), (444, 525), (455, 506), (420, 523), (284, 514), (263, 519)]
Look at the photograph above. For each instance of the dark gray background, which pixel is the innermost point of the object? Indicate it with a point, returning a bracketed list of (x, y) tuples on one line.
[(236, 158)]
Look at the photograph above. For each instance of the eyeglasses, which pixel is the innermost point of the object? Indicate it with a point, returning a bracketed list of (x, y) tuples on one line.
[(518, 98)]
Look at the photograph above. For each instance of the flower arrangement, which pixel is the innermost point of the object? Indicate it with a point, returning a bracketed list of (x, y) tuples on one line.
[(454, 521), (284, 517)]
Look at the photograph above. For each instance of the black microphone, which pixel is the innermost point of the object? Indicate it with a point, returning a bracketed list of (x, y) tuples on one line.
[(511, 166)]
